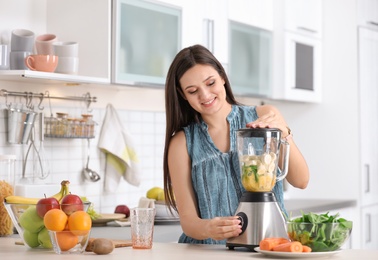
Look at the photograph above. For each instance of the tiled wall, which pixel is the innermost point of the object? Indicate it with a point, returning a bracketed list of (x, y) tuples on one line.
[(67, 157)]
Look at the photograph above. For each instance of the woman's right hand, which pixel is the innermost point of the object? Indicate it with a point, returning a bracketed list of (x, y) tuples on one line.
[(220, 228)]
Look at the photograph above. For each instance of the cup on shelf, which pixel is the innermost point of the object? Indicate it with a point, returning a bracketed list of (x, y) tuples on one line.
[(17, 60), (22, 40), (4, 57), (68, 65), (68, 53), (44, 44), (66, 49), (47, 63)]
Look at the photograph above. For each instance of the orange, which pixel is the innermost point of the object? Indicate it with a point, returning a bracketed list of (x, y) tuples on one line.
[(66, 240), (79, 223), (55, 219)]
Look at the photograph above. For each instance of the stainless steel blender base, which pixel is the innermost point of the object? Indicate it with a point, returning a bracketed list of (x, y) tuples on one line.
[(259, 219)]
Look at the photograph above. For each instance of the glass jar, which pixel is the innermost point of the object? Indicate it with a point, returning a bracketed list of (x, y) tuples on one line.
[(7, 181), (62, 124), (89, 125)]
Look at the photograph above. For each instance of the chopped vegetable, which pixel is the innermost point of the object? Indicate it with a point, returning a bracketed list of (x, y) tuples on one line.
[(270, 242), (294, 246)]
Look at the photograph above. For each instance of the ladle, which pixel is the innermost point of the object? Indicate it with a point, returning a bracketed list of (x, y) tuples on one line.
[(88, 173)]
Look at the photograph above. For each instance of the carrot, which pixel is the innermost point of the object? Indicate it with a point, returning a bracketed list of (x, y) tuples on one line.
[(294, 246), (270, 242), (306, 249)]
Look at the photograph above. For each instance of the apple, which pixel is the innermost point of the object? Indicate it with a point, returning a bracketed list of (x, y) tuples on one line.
[(30, 220), (123, 209), (44, 238), (71, 203), (31, 239), (45, 204)]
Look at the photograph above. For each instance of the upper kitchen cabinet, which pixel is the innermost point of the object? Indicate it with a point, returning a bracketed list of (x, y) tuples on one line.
[(367, 11), (252, 12), (146, 38), (250, 60), (304, 17), (298, 55), (87, 22)]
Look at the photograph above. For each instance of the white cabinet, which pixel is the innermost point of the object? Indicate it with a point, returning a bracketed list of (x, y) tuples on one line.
[(299, 53), (146, 38), (368, 88), (252, 12), (87, 22), (369, 227), (303, 68), (367, 12), (304, 17)]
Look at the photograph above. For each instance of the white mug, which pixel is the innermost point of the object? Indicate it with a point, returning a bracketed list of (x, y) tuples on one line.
[(4, 57), (17, 60), (22, 40), (66, 49), (68, 65)]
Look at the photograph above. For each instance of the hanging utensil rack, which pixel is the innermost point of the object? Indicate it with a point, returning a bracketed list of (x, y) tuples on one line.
[(87, 98)]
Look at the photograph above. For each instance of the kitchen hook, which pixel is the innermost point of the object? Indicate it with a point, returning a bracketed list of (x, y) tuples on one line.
[(40, 107)]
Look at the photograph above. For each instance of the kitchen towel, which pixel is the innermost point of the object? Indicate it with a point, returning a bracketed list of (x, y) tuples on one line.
[(121, 158)]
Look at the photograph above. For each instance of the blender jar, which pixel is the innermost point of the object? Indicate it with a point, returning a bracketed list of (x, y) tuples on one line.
[(259, 152)]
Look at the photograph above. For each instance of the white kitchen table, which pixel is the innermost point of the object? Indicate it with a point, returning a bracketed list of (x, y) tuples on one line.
[(160, 251)]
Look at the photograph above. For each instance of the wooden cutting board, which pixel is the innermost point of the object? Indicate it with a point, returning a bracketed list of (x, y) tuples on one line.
[(117, 243)]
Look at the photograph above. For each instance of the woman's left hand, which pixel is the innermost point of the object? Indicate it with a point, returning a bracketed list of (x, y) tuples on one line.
[(269, 117)]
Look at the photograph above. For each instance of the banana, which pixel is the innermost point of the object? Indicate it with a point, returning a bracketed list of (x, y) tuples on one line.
[(64, 190), (13, 199)]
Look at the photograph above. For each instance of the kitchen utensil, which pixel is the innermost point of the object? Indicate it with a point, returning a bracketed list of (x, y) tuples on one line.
[(20, 124), (88, 173), (259, 150)]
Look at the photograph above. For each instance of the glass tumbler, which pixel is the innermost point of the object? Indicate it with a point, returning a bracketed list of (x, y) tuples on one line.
[(142, 227)]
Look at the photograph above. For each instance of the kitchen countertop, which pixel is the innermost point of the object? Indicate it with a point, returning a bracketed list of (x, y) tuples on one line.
[(160, 251), (172, 231)]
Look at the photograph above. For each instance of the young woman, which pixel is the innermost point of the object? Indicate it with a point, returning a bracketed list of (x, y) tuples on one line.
[(201, 166)]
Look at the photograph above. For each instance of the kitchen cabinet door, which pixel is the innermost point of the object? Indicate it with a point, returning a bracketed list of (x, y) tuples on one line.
[(369, 234), (304, 17), (146, 38), (367, 13), (252, 12), (303, 60), (88, 23), (250, 62), (368, 87)]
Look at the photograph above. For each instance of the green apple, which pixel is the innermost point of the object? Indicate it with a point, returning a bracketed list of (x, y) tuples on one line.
[(44, 238), (31, 239), (29, 220)]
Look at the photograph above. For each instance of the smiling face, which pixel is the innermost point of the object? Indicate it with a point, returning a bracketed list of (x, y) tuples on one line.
[(203, 88)]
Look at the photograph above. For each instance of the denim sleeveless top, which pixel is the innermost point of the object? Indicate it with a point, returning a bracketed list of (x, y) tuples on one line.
[(216, 175)]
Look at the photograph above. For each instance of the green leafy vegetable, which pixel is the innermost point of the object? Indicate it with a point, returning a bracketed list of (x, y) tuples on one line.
[(321, 232)]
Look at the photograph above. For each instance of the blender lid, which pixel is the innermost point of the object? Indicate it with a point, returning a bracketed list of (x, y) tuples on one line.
[(246, 132)]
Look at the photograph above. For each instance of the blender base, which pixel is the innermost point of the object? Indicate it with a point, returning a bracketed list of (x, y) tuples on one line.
[(260, 217)]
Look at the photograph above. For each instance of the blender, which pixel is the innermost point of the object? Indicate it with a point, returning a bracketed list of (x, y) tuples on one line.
[(260, 150)]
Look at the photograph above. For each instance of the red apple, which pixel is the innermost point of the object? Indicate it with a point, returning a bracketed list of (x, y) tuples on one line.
[(123, 209), (45, 204), (71, 203)]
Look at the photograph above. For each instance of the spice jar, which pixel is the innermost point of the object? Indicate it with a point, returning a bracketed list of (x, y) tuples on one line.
[(7, 170), (89, 125)]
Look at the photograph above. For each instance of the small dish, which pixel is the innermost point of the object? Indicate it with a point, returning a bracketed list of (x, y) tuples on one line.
[(290, 255)]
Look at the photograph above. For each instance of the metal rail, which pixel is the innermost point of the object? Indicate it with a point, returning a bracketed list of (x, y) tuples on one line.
[(30, 95)]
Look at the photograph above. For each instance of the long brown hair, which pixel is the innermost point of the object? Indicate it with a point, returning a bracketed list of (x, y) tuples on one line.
[(178, 111)]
